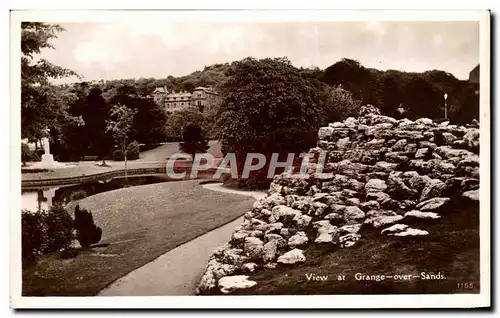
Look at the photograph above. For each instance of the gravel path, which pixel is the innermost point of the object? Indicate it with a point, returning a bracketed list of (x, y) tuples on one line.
[(178, 271)]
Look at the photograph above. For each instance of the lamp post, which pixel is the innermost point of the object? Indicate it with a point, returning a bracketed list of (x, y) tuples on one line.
[(445, 106)]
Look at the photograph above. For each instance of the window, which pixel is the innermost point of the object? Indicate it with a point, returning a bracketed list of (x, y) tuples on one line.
[(199, 103)]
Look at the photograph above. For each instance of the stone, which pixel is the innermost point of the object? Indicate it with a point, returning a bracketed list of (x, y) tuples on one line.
[(213, 272), (253, 247), (318, 208), (326, 231), (411, 232), (269, 251), (349, 240), (398, 189), (278, 238), (432, 204), (292, 257), (473, 194), (472, 138), (238, 238), (343, 143), (394, 229), (298, 239), (421, 153), (384, 166), (424, 121), (378, 196), (421, 215), (283, 213), (433, 189), (232, 256), (449, 138), (353, 213), (249, 267), (274, 227), (335, 218), (324, 133), (302, 221), (383, 220), (229, 284), (349, 228), (370, 205), (374, 185)]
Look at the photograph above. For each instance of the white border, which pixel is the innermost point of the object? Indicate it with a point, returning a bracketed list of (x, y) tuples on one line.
[(334, 301)]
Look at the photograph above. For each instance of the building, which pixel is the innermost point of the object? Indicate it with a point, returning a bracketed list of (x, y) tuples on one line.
[(177, 101), (474, 78), (202, 97)]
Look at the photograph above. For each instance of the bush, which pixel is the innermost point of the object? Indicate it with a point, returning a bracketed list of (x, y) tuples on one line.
[(78, 195), (193, 140), (35, 170), (29, 155), (87, 233), (44, 232), (133, 151)]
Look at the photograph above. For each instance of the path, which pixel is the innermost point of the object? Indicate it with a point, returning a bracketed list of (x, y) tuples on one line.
[(166, 150), (178, 271)]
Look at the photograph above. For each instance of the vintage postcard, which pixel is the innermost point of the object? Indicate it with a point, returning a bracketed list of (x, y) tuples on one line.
[(213, 159)]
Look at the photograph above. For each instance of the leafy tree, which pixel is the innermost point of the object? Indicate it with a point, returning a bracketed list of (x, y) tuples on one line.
[(193, 140), (268, 107), (120, 125), (179, 120), (338, 104), (87, 232), (43, 105)]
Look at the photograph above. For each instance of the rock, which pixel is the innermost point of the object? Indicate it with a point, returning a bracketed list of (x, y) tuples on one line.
[(292, 257), (432, 204), (318, 208), (324, 133), (229, 284), (269, 251), (383, 220), (421, 215), (274, 227), (370, 205), (298, 239), (378, 196), (472, 138), (374, 185), (384, 166), (326, 231), (334, 217), (473, 194), (349, 240), (213, 272), (449, 138), (343, 143), (421, 153), (278, 238), (302, 221), (349, 228), (238, 238), (394, 229), (398, 189), (411, 232), (249, 267), (424, 121), (433, 189), (283, 213), (253, 247), (232, 256), (353, 213)]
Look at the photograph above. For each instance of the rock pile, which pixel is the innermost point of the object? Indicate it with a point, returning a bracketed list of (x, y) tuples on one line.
[(378, 173)]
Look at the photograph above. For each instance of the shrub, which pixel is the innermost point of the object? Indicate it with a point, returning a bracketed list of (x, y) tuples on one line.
[(193, 140), (44, 232), (28, 155), (133, 151), (87, 233), (78, 195)]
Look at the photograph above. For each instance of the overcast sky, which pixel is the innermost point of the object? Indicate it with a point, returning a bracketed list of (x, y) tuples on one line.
[(118, 51)]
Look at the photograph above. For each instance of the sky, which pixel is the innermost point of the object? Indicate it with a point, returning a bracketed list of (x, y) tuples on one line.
[(159, 49)]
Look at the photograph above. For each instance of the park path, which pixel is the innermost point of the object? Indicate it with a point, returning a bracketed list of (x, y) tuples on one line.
[(178, 271)]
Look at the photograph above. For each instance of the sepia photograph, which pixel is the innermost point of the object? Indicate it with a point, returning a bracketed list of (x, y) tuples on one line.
[(250, 153)]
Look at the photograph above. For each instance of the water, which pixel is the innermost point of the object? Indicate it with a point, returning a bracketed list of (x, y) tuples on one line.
[(42, 198)]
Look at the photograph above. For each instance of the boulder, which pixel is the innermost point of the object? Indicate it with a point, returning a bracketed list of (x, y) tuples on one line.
[(394, 229), (374, 185), (324, 133), (349, 240), (353, 213), (269, 251), (280, 240), (283, 213), (432, 204), (253, 247), (229, 284), (473, 194), (292, 257), (421, 215), (433, 189), (298, 239), (302, 221), (382, 220)]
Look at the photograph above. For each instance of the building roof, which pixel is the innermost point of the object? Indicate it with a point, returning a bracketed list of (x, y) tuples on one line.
[(159, 90), (173, 95), (474, 75), (206, 89)]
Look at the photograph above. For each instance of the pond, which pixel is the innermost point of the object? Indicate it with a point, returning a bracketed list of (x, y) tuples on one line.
[(34, 199)]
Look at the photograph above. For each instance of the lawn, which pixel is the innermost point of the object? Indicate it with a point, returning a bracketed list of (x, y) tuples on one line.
[(139, 224), (451, 248)]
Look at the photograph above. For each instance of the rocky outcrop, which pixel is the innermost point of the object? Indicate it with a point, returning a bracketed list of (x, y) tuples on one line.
[(379, 173)]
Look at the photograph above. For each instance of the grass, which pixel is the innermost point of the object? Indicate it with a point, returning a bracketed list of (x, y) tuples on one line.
[(139, 224), (451, 248)]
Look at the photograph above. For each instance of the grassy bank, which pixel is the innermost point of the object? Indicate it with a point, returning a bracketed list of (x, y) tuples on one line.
[(451, 248), (139, 224)]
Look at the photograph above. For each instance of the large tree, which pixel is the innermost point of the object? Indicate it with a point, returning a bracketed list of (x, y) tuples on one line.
[(268, 107), (43, 105)]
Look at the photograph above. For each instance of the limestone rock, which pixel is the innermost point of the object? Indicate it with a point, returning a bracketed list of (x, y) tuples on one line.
[(353, 213), (374, 185), (383, 220), (278, 238), (473, 194), (349, 240), (411, 232), (433, 189), (229, 284), (324, 133), (421, 215), (349, 228), (283, 213), (394, 229), (298, 239), (432, 204), (269, 251), (292, 257), (253, 247)]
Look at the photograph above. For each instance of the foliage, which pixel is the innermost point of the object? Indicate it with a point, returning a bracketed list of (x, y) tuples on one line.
[(87, 233), (133, 152), (78, 195), (193, 140), (43, 105), (338, 104), (28, 155), (179, 120), (268, 107), (120, 125), (45, 232)]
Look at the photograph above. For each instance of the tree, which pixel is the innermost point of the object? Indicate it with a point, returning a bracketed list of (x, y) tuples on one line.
[(338, 104), (120, 125), (194, 141), (179, 120), (43, 105), (268, 107), (87, 233)]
